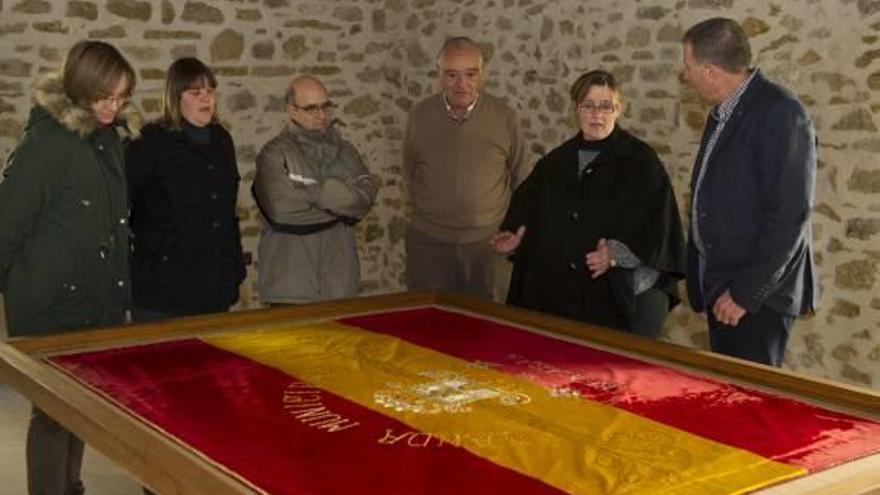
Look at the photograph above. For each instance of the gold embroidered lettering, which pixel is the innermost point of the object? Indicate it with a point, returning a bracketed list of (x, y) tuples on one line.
[(336, 425), (391, 439), (419, 440)]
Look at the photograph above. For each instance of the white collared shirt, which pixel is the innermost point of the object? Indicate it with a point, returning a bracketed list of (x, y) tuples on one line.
[(452, 113)]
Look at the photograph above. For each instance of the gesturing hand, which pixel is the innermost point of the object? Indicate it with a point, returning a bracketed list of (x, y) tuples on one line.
[(506, 242)]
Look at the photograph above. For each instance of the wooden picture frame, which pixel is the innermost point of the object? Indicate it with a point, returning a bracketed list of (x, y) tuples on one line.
[(170, 468)]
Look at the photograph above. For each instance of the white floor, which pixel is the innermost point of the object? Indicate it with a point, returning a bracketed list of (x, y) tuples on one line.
[(100, 476)]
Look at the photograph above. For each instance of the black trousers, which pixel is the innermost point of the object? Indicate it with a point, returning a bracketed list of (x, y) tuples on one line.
[(54, 457), (759, 337), (652, 306)]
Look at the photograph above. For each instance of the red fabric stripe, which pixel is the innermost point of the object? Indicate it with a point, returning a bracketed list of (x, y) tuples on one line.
[(775, 427), (232, 410)]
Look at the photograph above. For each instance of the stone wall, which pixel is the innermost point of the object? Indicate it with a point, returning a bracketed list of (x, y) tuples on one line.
[(377, 58)]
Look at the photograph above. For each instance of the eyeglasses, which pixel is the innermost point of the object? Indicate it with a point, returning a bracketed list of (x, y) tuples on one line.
[(314, 109), (601, 107), (117, 100)]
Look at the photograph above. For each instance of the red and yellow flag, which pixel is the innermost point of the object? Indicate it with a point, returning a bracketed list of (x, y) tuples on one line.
[(433, 401)]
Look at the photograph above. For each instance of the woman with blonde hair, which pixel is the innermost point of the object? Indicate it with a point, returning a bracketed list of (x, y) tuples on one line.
[(64, 227), (183, 177), (594, 232)]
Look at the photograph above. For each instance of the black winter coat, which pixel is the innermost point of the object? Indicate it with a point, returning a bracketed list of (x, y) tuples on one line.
[(624, 194), (186, 256)]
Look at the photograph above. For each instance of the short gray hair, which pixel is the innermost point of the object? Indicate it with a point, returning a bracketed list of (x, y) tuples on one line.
[(459, 43)]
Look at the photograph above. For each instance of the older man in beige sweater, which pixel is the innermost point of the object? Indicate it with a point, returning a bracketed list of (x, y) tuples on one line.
[(463, 156)]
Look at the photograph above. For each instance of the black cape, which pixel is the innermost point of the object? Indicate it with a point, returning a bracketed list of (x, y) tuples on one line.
[(624, 194)]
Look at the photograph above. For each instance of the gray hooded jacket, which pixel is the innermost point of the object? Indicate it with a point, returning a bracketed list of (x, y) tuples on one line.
[(311, 188)]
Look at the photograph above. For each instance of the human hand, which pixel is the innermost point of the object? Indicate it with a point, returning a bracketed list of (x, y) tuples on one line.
[(600, 260), (727, 311), (506, 242)]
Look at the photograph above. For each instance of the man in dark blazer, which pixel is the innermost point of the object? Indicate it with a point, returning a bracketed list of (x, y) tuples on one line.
[(750, 264)]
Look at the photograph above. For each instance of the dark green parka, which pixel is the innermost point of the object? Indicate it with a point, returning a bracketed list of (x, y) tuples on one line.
[(64, 232)]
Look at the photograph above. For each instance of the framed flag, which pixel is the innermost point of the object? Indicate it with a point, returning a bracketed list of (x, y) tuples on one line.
[(423, 393)]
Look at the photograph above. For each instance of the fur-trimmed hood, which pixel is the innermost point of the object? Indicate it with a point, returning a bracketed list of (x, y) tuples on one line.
[(49, 94)]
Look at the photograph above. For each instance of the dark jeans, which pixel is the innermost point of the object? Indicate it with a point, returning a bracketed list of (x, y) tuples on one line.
[(759, 337), (54, 457)]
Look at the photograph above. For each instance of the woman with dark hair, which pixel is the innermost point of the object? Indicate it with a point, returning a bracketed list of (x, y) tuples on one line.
[(64, 227), (594, 232), (183, 178)]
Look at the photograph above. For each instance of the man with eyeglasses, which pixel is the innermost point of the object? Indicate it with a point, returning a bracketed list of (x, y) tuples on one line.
[(750, 265), (463, 156), (312, 187)]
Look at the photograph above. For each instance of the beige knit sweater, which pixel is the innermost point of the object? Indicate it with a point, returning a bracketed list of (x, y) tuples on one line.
[(459, 176)]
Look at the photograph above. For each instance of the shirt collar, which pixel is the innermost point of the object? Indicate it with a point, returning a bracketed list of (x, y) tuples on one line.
[(452, 114), (724, 110)]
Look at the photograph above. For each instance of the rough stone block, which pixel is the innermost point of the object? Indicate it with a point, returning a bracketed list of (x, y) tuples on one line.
[(142, 53), (32, 7), (271, 70), (867, 57), (846, 309), (854, 374), (152, 74), (51, 27), (228, 45), (295, 47), (248, 15), (230, 71), (856, 275), (11, 128), (16, 28), (864, 180), (263, 50), (710, 4), (84, 10), (151, 105), (809, 57), (160, 34), (868, 7), (168, 12), (133, 10), (653, 13), (15, 67), (9, 88), (201, 13), (638, 36), (362, 106), (862, 228), (754, 27), (180, 51), (112, 32), (312, 24), (6, 107), (857, 120), (350, 13), (50, 54)]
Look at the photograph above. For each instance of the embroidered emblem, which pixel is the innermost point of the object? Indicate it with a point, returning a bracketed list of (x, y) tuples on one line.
[(446, 392)]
